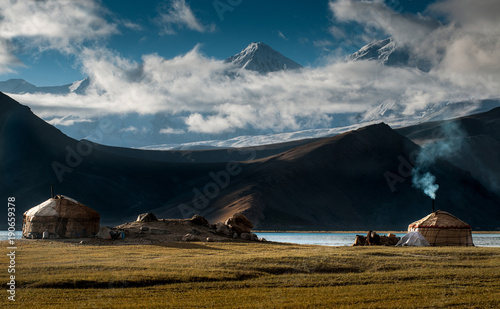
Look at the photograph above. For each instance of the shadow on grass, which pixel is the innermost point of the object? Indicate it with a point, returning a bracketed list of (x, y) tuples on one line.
[(307, 270), (187, 245), (92, 284)]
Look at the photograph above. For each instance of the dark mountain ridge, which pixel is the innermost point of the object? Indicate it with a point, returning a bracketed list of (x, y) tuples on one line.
[(336, 183)]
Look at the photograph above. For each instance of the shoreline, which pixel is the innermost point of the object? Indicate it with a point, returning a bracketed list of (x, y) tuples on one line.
[(353, 232)]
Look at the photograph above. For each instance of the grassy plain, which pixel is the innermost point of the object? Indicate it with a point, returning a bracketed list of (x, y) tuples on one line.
[(251, 275)]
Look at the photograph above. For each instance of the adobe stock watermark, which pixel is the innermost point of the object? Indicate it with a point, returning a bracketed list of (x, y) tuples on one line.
[(211, 190), (11, 222), (405, 168), (84, 148), (224, 6)]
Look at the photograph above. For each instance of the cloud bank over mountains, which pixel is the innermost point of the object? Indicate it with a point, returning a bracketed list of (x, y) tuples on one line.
[(199, 93), (459, 38)]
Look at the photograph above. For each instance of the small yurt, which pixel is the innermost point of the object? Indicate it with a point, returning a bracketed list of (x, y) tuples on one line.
[(443, 229), (60, 217)]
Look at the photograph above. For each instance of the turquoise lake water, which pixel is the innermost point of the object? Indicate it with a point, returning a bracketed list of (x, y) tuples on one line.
[(347, 239), (334, 239)]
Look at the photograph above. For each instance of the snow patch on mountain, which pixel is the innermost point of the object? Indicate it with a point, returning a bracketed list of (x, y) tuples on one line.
[(254, 140), (390, 53), (261, 58), (387, 112)]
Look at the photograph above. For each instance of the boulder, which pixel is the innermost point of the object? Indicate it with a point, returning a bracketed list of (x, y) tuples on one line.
[(209, 239), (146, 217), (246, 236), (359, 241), (389, 240), (239, 223), (372, 239), (158, 231), (189, 237), (381, 241), (221, 228), (103, 232), (199, 220), (116, 234), (254, 237), (144, 228), (195, 232)]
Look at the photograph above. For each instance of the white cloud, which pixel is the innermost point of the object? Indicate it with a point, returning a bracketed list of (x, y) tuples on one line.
[(67, 121), (53, 24), (132, 26), (463, 50), (7, 58), (324, 45), (200, 96), (176, 14), (49, 25), (171, 131), (377, 15), (281, 35), (337, 32), (129, 129)]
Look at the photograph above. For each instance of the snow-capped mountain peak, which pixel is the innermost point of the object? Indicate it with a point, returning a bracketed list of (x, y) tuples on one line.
[(261, 58), (376, 50), (390, 53)]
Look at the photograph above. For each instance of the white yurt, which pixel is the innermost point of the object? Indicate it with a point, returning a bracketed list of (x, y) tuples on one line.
[(60, 217), (443, 229)]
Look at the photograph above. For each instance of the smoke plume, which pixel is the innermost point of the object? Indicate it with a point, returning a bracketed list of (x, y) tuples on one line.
[(426, 182), (447, 142)]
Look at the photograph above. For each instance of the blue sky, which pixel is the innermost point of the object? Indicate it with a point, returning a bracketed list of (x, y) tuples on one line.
[(299, 29)]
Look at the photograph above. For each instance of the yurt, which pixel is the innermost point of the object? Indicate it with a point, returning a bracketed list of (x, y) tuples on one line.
[(60, 217), (443, 229)]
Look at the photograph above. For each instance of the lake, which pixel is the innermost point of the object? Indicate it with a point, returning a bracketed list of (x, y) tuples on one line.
[(347, 239), (333, 239)]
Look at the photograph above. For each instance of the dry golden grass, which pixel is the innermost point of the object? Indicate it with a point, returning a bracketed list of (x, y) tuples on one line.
[(253, 275)]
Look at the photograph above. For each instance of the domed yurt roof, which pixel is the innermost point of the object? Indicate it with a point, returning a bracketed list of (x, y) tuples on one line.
[(443, 229), (60, 216), (440, 219), (62, 206)]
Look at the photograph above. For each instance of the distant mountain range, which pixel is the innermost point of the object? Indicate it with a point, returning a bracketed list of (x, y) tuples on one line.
[(145, 131), (335, 183), (20, 86), (257, 57)]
